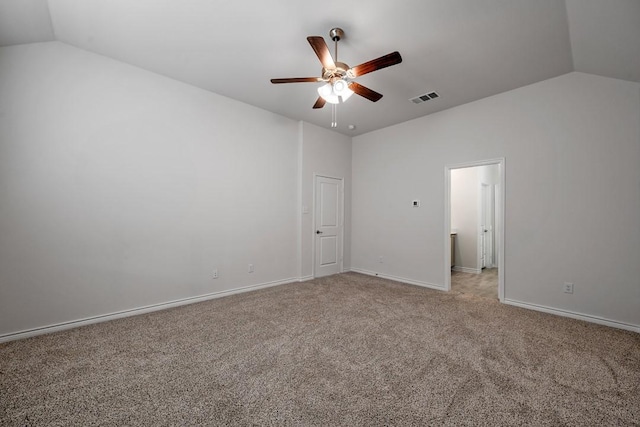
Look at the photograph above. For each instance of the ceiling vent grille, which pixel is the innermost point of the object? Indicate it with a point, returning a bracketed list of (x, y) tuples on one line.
[(424, 98)]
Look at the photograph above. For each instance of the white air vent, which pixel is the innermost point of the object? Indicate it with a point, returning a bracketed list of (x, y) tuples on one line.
[(423, 98)]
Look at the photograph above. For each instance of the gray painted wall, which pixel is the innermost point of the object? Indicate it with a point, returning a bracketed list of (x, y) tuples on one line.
[(572, 192), (120, 188), (329, 154)]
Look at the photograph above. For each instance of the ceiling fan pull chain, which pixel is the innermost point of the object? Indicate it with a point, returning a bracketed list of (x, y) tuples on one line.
[(334, 115)]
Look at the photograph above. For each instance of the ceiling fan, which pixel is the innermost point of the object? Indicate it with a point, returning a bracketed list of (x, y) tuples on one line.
[(338, 76)]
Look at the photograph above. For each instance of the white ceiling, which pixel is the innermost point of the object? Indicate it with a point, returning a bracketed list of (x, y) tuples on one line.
[(463, 49)]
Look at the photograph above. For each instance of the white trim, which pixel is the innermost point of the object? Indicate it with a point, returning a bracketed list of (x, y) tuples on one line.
[(447, 228), (299, 199), (574, 315), (478, 231), (499, 217), (399, 279), (305, 278), (135, 311), (500, 214), (467, 270)]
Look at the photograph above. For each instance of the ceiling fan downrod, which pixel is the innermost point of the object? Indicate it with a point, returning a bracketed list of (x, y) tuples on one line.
[(336, 34)]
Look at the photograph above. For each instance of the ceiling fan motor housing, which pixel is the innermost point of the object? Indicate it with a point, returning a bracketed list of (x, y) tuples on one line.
[(340, 72)]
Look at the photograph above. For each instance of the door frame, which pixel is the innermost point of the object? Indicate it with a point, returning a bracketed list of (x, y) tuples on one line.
[(479, 231), (499, 219), (314, 236)]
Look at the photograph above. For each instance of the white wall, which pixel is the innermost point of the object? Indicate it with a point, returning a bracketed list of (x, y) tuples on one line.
[(572, 149), (324, 153), (120, 189)]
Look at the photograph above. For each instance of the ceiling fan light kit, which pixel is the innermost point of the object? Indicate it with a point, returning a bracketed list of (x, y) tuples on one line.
[(338, 77), (336, 92)]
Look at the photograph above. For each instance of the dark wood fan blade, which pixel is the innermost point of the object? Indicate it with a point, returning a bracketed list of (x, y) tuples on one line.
[(297, 80), (319, 102), (365, 92), (320, 48), (388, 60)]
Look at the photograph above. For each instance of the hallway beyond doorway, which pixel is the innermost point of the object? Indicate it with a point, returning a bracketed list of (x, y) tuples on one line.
[(484, 284)]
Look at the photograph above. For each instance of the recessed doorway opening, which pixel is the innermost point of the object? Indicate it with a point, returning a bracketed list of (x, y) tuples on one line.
[(474, 227)]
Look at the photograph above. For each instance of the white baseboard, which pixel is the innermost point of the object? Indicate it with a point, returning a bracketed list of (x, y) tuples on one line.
[(467, 270), (140, 310), (574, 315), (191, 300), (399, 279)]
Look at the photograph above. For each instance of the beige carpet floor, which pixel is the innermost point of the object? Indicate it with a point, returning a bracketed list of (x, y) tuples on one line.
[(346, 350), (484, 284)]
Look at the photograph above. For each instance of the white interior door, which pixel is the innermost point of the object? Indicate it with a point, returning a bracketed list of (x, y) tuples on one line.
[(496, 225), (486, 226), (482, 238), (328, 215)]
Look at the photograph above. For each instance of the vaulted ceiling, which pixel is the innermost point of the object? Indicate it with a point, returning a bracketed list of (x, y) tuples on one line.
[(464, 50)]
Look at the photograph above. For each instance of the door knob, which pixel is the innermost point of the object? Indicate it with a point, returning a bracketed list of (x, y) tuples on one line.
[(318, 232)]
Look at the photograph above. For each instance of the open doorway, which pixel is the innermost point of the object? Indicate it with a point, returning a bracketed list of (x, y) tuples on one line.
[(474, 228)]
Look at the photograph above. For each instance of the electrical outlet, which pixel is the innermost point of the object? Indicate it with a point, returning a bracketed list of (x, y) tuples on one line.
[(568, 287), (250, 268), (380, 259), (215, 273)]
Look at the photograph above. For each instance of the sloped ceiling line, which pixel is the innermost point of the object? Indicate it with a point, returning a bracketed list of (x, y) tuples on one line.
[(465, 50)]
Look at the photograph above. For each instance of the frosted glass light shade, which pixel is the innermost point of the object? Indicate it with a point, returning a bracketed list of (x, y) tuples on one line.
[(335, 93)]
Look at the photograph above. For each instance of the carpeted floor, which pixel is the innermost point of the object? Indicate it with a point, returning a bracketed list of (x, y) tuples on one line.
[(348, 350), (484, 284)]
